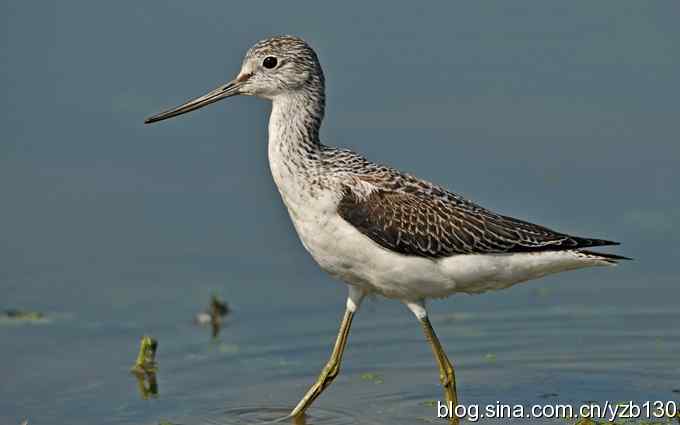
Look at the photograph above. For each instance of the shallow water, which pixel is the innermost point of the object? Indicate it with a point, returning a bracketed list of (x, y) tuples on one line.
[(578, 337)]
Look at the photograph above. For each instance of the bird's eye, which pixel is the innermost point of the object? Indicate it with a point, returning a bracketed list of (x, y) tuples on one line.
[(269, 62)]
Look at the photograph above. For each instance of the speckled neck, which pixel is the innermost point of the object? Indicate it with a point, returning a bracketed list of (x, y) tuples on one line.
[(296, 117), (294, 147)]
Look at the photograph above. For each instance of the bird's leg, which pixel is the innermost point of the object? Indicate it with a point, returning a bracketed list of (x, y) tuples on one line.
[(447, 375), (446, 372), (330, 371), (332, 368)]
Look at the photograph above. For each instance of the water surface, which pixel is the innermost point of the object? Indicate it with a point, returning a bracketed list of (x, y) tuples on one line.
[(582, 337)]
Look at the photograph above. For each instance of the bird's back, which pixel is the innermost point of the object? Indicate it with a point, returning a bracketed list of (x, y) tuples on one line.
[(412, 216)]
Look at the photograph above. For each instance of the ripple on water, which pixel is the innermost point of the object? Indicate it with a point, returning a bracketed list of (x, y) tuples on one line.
[(258, 415)]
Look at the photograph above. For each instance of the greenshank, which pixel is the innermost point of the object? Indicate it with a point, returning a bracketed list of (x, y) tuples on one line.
[(379, 230)]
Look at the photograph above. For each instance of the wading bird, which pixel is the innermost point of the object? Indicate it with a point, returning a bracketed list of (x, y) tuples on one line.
[(375, 228)]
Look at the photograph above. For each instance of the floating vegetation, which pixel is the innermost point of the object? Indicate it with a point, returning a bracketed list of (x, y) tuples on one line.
[(490, 357), (373, 377), (15, 316), (214, 315)]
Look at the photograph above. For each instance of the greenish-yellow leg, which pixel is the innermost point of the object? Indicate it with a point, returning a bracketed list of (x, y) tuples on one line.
[(446, 373), (330, 371)]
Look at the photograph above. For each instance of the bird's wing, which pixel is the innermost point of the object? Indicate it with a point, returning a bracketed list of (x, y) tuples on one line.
[(424, 220)]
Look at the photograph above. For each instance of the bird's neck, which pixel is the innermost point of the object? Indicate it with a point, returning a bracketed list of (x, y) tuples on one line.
[(294, 147), (296, 119)]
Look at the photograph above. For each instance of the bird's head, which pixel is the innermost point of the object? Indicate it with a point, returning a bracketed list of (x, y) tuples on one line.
[(276, 66)]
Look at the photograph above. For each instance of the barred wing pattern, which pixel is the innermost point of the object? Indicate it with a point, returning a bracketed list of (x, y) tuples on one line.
[(424, 220)]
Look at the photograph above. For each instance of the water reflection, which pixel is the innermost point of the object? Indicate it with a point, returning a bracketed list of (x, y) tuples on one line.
[(147, 384)]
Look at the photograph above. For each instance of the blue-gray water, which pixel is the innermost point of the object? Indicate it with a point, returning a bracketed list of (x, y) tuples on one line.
[(565, 115)]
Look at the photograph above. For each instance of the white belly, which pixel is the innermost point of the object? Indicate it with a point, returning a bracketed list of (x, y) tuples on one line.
[(347, 254)]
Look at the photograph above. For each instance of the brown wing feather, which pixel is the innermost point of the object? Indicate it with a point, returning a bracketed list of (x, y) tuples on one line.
[(435, 225)]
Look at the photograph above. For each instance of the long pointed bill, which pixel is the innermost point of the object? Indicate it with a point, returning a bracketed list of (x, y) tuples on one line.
[(227, 90)]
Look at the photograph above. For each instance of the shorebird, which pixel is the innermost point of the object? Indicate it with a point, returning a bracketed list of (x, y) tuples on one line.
[(379, 230)]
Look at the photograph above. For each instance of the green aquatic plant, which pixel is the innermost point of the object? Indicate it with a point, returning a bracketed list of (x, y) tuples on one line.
[(146, 359), (145, 368)]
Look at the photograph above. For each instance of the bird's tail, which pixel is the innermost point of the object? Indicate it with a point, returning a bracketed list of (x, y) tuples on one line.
[(607, 258)]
